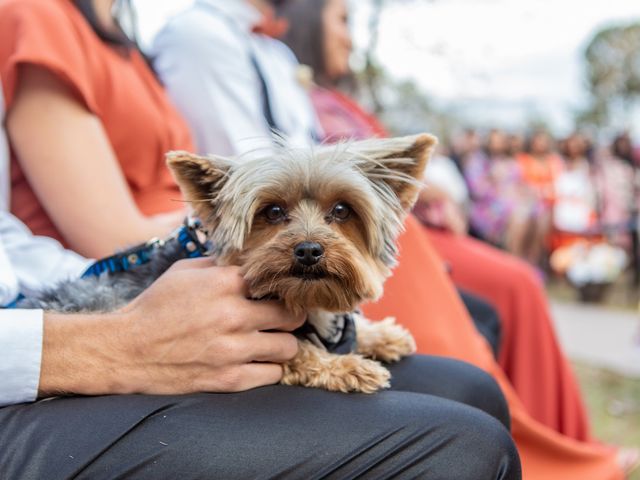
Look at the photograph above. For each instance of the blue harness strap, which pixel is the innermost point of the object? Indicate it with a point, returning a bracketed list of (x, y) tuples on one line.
[(14, 304), (186, 236)]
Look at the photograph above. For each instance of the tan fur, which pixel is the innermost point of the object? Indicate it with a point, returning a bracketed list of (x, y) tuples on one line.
[(384, 340), (316, 368), (378, 179)]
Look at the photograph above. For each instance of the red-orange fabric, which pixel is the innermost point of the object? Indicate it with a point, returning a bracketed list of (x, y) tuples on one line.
[(540, 174), (421, 296), (115, 85), (530, 355)]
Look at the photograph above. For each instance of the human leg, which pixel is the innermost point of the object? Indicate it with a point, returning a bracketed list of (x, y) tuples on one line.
[(271, 432), (485, 318), (451, 379), (516, 234)]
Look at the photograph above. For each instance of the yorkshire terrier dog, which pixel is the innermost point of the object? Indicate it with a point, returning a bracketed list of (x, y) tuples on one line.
[(315, 228)]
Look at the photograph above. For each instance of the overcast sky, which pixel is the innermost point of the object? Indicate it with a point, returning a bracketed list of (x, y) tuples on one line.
[(500, 61)]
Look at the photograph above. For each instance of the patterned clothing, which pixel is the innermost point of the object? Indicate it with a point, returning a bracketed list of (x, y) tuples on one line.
[(618, 184), (498, 195)]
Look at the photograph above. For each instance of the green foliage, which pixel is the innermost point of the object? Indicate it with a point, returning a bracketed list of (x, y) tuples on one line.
[(614, 406), (612, 72)]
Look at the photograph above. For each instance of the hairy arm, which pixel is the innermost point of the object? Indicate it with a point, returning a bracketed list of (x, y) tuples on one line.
[(193, 330), (68, 160)]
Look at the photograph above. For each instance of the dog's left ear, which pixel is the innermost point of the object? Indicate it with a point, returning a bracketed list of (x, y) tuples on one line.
[(200, 180), (399, 162)]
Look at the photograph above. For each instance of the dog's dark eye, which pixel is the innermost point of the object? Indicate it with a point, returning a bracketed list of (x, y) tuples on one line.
[(274, 213), (341, 211)]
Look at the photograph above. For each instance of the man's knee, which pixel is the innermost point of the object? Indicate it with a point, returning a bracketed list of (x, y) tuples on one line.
[(475, 387), (480, 447), (485, 449), (483, 392), (451, 379)]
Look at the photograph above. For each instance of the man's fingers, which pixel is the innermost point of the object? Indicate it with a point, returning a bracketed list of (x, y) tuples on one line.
[(273, 347), (193, 263), (271, 315), (252, 375)]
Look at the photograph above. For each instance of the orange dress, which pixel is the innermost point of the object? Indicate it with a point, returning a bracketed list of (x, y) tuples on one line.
[(113, 83), (530, 355), (422, 297), (541, 175), (529, 351)]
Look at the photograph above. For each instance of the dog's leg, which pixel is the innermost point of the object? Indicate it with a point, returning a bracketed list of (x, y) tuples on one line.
[(385, 340), (317, 368)]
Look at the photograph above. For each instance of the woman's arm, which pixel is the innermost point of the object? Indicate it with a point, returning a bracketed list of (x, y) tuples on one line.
[(66, 157)]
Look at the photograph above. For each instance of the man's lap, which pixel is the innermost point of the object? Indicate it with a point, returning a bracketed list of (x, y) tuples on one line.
[(270, 431)]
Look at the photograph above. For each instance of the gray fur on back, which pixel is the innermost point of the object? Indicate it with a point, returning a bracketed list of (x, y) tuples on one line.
[(107, 292)]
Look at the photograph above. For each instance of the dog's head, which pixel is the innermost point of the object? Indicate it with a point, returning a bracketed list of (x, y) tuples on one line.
[(314, 227)]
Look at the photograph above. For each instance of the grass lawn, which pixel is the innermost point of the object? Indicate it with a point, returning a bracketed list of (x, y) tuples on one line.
[(621, 295), (614, 405)]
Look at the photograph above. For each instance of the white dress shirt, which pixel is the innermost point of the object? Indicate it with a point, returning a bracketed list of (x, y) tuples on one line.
[(27, 264), (204, 56)]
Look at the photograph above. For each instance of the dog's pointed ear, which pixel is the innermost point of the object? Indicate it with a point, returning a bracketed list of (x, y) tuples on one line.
[(398, 162), (200, 179)]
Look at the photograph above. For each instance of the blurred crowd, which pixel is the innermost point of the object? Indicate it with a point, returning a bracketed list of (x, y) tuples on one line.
[(566, 205)]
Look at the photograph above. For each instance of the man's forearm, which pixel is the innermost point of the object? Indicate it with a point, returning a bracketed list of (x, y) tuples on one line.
[(193, 330), (82, 354)]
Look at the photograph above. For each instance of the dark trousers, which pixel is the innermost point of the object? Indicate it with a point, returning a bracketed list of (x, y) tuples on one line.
[(432, 424), (485, 317)]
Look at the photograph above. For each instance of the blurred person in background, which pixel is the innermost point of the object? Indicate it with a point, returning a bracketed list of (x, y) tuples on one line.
[(444, 202), (618, 180), (592, 215), (504, 210), (436, 319), (575, 206), (516, 144), (465, 144), (223, 98), (540, 166)]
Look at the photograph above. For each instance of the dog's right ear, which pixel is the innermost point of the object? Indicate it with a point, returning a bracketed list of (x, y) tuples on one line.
[(397, 162), (200, 179)]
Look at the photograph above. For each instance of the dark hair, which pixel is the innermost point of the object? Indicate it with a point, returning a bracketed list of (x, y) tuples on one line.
[(305, 36), (528, 144), (88, 11), (623, 148)]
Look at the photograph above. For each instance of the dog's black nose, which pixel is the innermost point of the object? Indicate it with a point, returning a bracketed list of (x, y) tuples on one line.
[(308, 253)]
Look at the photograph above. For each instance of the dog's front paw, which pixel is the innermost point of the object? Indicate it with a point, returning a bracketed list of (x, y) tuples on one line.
[(353, 373), (317, 368), (385, 340)]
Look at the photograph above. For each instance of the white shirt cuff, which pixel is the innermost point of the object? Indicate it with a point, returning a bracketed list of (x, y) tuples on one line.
[(21, 334)]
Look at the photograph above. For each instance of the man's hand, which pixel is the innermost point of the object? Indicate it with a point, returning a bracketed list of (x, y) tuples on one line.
[(193, 330)]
